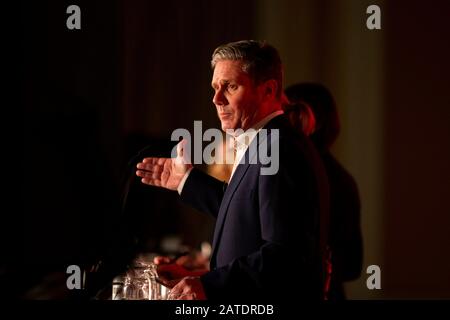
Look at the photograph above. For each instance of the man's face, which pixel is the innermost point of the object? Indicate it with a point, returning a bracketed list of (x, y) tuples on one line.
[(236, 98)]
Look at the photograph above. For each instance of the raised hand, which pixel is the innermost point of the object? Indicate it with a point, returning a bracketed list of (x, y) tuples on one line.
[(164, 172)]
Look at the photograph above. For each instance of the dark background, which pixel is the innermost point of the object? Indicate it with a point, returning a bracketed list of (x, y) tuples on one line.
[(137, 70)]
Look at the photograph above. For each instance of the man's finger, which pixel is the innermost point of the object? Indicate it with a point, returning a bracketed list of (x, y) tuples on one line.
[(183, 153), (183, 291), (151, 160), (150, 167), (186, 296), (149, 178), (141, 173), (180, 148), (148, 175), (176, 289)]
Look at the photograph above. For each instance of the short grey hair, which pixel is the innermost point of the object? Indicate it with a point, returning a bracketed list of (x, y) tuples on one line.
[(260, 60)]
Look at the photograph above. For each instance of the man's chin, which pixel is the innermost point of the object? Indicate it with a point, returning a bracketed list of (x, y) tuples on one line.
[(227, 126)]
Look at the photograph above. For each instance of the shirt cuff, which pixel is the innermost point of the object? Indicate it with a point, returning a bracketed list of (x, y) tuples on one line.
[(183, 181)]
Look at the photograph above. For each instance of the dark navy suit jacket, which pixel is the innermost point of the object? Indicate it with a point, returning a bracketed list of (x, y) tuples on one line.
[(269, 233)]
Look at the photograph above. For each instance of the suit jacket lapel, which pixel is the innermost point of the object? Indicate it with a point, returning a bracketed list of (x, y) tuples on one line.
[(248, 158)]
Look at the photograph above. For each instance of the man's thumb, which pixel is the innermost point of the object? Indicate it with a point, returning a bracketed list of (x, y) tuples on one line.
[(183, 153)]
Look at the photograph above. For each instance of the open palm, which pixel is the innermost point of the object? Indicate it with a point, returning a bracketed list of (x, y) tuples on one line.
[(163, 172)]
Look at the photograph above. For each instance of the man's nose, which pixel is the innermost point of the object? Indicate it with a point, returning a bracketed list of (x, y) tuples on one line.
[(219, 98)]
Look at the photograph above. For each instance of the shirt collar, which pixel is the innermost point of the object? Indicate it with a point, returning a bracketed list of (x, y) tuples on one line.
[(243, 140)]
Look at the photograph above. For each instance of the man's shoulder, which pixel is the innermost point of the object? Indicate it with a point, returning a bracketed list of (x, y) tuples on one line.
[(285, 132), (279, 122), (293, 146)]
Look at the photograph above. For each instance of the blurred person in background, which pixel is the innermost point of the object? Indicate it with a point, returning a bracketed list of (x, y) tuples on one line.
[(313, 111)]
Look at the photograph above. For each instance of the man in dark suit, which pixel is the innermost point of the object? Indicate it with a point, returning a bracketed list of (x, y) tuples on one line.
[(269, 237)]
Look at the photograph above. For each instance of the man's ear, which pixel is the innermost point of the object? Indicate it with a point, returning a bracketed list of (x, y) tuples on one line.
[(270, 88)]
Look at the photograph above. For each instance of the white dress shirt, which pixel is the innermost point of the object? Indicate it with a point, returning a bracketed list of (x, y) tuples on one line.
[(243, 140)]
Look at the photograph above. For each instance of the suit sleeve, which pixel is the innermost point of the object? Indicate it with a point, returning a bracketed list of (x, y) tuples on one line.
[(203, 192)]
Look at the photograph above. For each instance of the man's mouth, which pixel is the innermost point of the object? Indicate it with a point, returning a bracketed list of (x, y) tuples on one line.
[(224, 115)]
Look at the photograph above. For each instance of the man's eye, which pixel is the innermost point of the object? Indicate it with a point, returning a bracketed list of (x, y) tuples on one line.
[(232, 87)]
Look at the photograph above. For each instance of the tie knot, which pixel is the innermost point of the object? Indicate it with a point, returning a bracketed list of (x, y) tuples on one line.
[(233, 143), (241, 142)]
